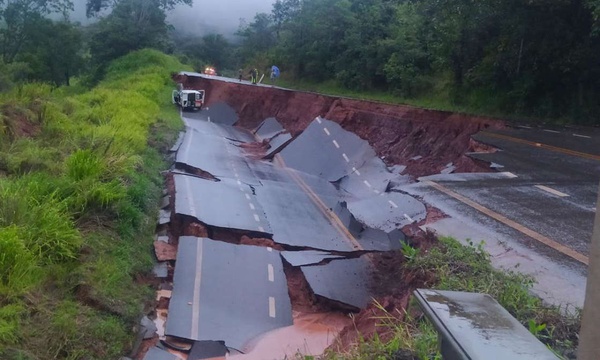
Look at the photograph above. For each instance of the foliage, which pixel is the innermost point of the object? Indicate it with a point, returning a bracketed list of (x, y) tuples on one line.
[(76, 221)]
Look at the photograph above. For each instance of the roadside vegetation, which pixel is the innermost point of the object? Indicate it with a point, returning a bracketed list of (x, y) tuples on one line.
[(79, 188), (449, 265)]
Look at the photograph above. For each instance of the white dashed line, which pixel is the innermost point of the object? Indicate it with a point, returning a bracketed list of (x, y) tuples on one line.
[(510, 175), (367, 183), (256, 218), (319, 120), (252, 206), (345, 157), (524, 127), (336, 144), (582, 136), (247, 196), (393, 204), (552, 131), (271, 273), (326, 131), (261, 229), (551, 190), (191, 204), (239, 182), (269, 249), (356, 171), (209, 119), (377, 192), (272, 307), (409, 218)]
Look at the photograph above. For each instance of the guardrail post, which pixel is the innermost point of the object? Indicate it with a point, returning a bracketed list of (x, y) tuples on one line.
[(589, 336)]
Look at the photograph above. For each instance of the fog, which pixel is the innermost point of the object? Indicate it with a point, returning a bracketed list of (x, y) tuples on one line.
[(205, 16)]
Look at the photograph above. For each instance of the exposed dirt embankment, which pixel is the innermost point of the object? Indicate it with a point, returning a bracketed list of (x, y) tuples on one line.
[(398, 133)]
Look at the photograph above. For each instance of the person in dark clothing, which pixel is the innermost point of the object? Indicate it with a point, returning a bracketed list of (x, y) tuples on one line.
[(254, 75), (240, 74)]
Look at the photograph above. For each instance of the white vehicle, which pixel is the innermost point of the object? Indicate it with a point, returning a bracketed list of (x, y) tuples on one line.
[(189, 99)]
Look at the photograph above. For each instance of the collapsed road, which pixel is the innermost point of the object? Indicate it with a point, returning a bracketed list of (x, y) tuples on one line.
[(265, 203)]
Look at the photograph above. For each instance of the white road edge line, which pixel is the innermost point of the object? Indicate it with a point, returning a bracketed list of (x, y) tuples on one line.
[(409, 218), (261, 229), (326, 131), (393, 204), (252, 206), (551, 190), (582, 136), (191, 204), (552, 131), (272, 307), (256, 218), (196, 295), (271, 272), (247, 196), (336, 144), (319, 120), (345, 157)]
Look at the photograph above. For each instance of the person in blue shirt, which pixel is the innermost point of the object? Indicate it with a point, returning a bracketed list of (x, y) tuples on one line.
[(274, 73)]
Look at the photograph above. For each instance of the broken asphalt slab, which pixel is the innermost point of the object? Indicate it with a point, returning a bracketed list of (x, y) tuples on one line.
[(345, 281), (370, 179), (388, 212), (225, 204), (225, 292), (220, 113), (207, 350), (326, 150), (268, 129), (277, 144), (159, 354), (309, 257)]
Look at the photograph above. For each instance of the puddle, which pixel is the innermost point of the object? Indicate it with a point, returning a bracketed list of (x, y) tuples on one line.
[(311, 334)]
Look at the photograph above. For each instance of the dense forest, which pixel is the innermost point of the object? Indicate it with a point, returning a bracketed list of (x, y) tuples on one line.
[(537, 58)]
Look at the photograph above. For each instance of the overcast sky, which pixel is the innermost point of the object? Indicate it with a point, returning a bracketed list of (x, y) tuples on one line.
[(219, 16)]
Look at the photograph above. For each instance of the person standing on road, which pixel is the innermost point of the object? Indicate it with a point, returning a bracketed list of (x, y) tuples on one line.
[(240, 74), (254, 74), (274, 73)]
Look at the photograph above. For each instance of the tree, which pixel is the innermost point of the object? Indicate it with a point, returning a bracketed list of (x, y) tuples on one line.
[(95, 7), (18, 16), (132, 25)]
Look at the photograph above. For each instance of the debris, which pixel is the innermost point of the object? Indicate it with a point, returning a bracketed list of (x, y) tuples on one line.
[(164, 251), (310, 257)]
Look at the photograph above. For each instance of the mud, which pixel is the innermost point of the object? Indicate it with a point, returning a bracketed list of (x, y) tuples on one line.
[(396, 132)]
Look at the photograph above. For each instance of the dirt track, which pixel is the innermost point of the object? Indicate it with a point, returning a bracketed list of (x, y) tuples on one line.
[(398, 133)]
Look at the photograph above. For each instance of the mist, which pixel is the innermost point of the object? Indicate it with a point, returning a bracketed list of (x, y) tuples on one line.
[(205, 16)]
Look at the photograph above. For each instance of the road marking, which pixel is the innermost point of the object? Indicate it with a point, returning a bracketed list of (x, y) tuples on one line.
[(272, 307), (510, 175), (191, 204), (552, 131), (582, 136), (345, 157), (239, 182), (196, 295), (252, 206), (393, 204), (319, 120), (409, 218), (326, 131), (336, 144), (524, 127), (551, 190), (261, 229), (269, 249), (256, 218), (356, 171), (209, 119), (367, 183), (247, 196), (513, 224), (377, 192), (271, 273), (549, 147)]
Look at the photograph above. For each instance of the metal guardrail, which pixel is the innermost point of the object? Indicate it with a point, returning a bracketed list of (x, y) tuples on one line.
[(474, 326)]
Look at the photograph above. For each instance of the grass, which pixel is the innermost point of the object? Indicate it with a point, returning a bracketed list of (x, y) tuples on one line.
[(79, 189), (452, 266)]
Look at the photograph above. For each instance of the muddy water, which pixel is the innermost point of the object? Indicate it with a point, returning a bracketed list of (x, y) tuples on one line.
[(311, 334)]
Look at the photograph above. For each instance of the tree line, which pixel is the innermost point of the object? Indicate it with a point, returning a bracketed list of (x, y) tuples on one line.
[(537, 58)]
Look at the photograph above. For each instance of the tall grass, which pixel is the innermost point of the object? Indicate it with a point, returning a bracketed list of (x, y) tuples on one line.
[(78, 199)]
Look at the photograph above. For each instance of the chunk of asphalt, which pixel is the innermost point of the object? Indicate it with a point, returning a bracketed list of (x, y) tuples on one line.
[(147, 328), (269, 128), (159, 354), (308, 257), (160, 270), (370, 179), (277, 143), (345, 281), (320, 151), (388, 212), (448, 170), (225, 292), (223, 204), (178, 142), (221, 113), (165, 201), (164, 217), (207, 350)]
